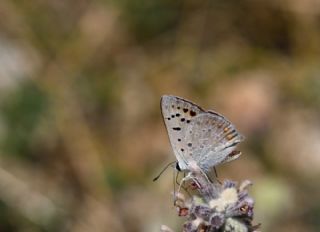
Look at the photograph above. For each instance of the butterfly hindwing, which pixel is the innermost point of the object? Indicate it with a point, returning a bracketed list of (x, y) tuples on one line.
[(214, 138)]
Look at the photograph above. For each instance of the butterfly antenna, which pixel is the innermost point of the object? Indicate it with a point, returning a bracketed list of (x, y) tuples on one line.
[(215, 172), (175, 176), (165, 168)]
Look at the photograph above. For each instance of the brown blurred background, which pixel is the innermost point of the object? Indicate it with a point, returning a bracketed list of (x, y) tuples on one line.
[(81, 134)]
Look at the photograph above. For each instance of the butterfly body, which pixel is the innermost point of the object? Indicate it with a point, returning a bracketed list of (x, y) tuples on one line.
[(198, 135)]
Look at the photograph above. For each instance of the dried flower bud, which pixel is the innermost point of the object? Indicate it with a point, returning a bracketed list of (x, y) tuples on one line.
[(182, 212)]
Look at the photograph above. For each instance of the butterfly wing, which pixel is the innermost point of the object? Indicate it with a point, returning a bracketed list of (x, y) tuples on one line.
[(211, 139), (178, 115)]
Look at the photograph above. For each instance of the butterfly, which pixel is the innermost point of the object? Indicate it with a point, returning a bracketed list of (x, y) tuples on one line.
[(195, 134)]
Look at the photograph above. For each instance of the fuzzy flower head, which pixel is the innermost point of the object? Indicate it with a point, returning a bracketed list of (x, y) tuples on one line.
[(219, 207)]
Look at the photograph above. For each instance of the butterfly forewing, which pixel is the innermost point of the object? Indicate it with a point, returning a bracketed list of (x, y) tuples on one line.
[(178, 115)]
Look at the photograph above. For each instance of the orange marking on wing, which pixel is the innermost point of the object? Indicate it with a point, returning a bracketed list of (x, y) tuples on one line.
[(231, 136)]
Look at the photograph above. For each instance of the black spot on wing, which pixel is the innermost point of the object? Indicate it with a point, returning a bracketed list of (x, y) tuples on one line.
[(193, 113), (176, 128)]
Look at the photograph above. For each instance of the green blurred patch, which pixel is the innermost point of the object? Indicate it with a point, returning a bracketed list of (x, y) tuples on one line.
[(21, 112), (99, 98), (309, 91), (114, 179), (97, 90), (7, 221), (304, 91), (11, 221), (149, 18), (273, 198), (41, 17), (312, 216)]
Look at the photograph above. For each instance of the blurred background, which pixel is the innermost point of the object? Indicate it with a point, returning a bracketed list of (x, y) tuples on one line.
[(81, 133)]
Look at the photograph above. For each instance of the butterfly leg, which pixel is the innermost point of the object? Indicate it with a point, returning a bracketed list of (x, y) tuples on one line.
[(177, 177), (182, 182), (175, 181)]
